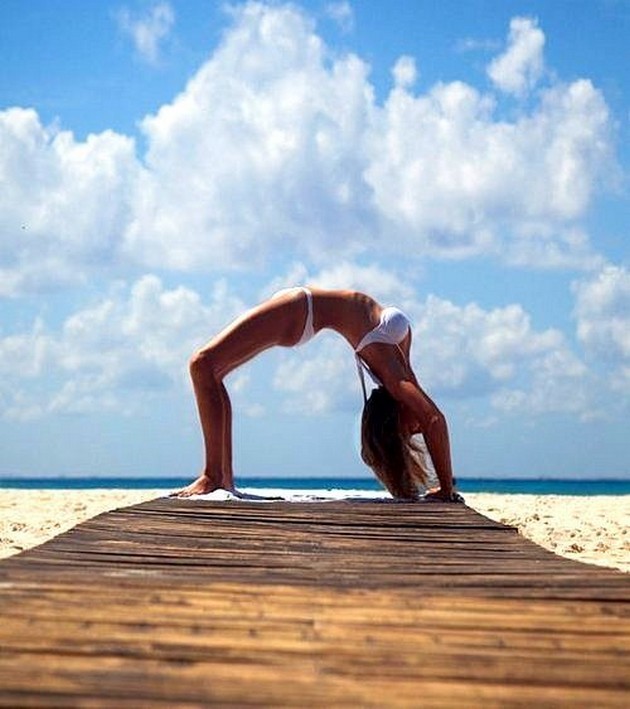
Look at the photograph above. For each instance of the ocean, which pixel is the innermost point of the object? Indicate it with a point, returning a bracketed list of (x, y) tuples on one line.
[(540, 486)]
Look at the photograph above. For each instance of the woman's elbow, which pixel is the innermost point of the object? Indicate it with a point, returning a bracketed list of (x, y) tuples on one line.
[(435, 425)]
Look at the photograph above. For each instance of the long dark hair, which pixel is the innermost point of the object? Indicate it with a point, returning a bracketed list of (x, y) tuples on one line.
[(396, 460)]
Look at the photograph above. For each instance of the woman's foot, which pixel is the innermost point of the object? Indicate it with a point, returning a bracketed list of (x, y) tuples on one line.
[(201, 486)]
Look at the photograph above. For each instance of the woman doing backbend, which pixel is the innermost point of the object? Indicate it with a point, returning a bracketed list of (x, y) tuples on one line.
[(381, 339)]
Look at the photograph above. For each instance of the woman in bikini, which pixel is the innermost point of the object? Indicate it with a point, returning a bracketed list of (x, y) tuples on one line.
[(393, 413)]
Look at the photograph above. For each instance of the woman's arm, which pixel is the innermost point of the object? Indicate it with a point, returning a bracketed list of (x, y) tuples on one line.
[(432, 424), (392, 366)]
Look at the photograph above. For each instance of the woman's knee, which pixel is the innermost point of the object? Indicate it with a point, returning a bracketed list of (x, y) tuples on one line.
[(203, 367)]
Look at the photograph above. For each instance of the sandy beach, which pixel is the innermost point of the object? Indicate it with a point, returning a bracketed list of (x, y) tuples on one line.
[(589, 529)]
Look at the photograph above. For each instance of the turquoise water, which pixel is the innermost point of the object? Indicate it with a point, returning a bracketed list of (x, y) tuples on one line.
[(505, 486)]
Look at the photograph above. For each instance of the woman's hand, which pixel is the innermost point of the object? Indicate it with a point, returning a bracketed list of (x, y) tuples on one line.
[(437, 495)]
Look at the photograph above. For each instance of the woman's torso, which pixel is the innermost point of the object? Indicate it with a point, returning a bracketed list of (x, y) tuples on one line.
[(350, 313)]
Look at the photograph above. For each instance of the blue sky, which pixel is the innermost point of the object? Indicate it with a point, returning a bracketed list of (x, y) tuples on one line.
[(164, 165)]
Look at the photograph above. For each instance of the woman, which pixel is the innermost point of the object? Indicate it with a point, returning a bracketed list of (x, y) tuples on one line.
[(381, 339)]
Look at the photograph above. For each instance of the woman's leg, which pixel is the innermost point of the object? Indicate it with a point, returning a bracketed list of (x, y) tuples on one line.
[(226, 438), (215, 415), (275, 322)]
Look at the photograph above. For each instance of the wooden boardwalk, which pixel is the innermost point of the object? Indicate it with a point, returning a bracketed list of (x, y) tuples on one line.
[(353, 604)]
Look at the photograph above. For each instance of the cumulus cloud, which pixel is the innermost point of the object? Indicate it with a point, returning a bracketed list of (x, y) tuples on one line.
[(602, 312), (277, 143), (405, 72), (455, 182), (466, 351), (381, 283), (519, 68), (459, 352), (149, 30), (322, 381), (133, 344), (112, 355), (342, 13), (324, 378), (261, 151), (64, 203), (474, 44)]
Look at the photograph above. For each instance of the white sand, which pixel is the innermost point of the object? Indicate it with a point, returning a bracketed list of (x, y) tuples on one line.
[(31, 517), (590, 529)]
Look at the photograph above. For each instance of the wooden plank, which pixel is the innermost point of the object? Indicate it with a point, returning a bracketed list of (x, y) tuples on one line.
[(174, 603), (336, 544)]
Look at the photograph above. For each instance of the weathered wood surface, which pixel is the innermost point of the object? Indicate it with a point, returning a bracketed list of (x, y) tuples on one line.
[(177, 603)]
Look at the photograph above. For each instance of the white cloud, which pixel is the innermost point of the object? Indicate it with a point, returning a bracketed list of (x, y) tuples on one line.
[(453, 181), (602, 312), (112, 355), (323, 376), (276, 144), (134, 344), (473, 44), (23, 356), (261, 151), (459, 353), (520, 67), (466, 351), (381, 283), (149, 31), (64, 203), (558, 382), (404, 72), (342, 13), (320, 380)]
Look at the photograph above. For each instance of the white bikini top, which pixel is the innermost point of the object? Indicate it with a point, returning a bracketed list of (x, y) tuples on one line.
[(391, 330)]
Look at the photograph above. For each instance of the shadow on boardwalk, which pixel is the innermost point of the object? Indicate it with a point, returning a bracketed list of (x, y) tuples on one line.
[(192, 603)]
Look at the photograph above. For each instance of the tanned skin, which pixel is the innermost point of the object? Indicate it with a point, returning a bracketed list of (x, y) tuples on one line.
[(280, 322)]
